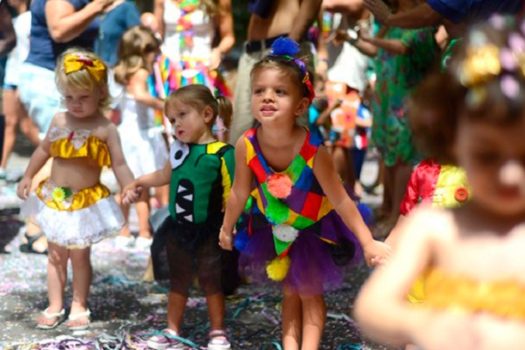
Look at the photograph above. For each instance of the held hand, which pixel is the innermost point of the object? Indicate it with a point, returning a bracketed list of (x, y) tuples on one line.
[(379, 9), (22, 191), (376, 253), (131, 193), (225, 239)]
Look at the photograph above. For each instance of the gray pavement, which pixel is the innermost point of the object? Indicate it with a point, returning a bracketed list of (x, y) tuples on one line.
[(126, 310)]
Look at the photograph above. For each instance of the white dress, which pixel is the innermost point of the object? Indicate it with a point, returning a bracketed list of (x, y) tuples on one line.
[(142, 143), (199, 26), (22, 26)]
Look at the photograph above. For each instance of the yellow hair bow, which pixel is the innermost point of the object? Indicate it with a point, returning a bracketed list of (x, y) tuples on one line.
[(74, 62)]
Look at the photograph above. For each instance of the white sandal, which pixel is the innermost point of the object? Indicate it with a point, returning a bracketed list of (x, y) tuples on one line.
[(74, 317), (58, 316), (218, 340)]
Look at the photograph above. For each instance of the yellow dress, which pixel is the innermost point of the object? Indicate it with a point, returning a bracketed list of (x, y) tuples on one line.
[(503, 297), (75, 219)]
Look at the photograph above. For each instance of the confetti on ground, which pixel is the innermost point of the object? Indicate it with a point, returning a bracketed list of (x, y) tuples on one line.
[(127, 310)]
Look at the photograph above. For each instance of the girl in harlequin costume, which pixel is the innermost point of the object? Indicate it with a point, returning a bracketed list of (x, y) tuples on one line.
[(72, 207), (295, 202), (470, 257), (144, 146), (199, 171)]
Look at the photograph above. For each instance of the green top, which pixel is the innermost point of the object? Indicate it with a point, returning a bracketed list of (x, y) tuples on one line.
[(397, 75), (201, 180)]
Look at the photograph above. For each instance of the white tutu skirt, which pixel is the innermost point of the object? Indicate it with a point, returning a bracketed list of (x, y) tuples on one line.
[(75, 229)]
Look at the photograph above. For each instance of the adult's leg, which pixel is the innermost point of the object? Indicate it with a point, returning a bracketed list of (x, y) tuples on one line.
[(11, 118), (242, 118)]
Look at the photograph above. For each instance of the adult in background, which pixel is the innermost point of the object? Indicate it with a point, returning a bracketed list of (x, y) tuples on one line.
[(55, 26), (114, 21), (269, 20), (15, 113), (7, 42)]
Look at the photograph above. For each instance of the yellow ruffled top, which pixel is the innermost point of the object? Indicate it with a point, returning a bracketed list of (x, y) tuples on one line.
[(504, 298), (67, 144)]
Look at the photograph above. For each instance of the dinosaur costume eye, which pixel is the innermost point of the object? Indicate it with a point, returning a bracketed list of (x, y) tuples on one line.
[(178, 153)]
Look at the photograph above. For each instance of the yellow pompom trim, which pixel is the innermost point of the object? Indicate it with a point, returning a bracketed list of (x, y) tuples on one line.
[(278, 268)]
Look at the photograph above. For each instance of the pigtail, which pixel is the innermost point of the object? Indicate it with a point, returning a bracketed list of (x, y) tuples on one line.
[(225, 110)]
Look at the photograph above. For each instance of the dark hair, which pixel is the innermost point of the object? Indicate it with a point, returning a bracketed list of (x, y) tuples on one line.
[(199, 96), (287, 66), (472, 88)]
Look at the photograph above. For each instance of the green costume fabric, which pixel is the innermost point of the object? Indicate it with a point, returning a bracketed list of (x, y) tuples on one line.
[(200, 181), (396, 76)]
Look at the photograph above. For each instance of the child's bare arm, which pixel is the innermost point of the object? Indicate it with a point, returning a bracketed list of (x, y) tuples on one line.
[(238, 195), (37, 161), (332, 186), (138, 87), (118, 162), (161, 177)]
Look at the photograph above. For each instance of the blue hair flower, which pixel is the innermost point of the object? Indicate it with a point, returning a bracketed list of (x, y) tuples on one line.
[(285, 46)]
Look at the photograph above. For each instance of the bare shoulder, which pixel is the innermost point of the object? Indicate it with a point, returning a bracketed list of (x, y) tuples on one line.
[(60, 120), (104, 128)]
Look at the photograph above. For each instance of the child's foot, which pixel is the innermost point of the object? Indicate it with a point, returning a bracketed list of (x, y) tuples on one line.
[(143, 243), (166, 339), (49, 320), (218, 340), (79, 320), (124, 241)]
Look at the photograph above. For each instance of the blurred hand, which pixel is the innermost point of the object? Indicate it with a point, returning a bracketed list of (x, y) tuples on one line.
[(215, 58), (376, 253), (448, 330), (380, 10), (24, 186)]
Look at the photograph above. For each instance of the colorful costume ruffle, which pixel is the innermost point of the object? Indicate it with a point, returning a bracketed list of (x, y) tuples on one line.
[(74, 219), (290, 229), (503, 298), (445, 186)]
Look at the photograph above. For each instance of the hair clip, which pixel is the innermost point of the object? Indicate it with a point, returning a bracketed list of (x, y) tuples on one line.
[(74, 62)]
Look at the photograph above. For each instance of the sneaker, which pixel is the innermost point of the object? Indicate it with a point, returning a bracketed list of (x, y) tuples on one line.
[(124, 241), (143, 243), (164, 340), (218, 340)]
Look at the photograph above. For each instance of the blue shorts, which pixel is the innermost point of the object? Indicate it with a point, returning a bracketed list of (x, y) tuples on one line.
[(39, 95)]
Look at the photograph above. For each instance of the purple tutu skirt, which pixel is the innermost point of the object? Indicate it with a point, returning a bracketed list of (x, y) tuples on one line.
[(316, 265)]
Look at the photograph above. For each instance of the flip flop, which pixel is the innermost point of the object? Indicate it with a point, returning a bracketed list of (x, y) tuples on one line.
[(78, 315), (28, 246), (58, 316)]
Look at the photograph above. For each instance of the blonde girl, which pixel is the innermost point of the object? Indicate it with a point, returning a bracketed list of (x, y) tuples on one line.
[(470, 258), (72, 207), (144, 147), (297, 206), (199, 171)]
